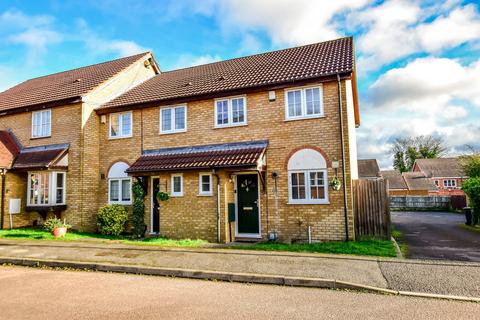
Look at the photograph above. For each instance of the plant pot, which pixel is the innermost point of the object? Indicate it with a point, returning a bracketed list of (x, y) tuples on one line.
[(59, 232)]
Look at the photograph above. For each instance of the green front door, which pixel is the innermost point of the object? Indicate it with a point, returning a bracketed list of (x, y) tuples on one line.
[(247, 204)]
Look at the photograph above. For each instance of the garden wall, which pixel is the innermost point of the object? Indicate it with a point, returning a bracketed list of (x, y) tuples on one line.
[(421, 203)]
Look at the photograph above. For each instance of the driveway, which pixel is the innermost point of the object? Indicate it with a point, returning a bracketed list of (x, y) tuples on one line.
[(437, 235)]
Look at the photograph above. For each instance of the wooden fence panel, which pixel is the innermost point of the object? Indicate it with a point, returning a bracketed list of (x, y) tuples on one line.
[(371, 208)]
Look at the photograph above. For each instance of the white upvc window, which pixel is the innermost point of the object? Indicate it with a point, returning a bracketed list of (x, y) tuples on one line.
[(173, 119), (449, 183), (177, 185), (41, 123), (304, 103), (119, 184), (205, 184), (121, 125), (230, 112), (46, 188)]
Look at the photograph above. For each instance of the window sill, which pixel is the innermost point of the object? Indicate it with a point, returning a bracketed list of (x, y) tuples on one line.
[(173, 132), (120, 203), (48, 207), (307, 202), (304, 118), (205, 195), (176, 195), (230, 125), (39, 138), (118, 138)]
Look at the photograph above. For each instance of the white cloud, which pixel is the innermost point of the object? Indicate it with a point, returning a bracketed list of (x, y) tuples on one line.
[(188, 60)]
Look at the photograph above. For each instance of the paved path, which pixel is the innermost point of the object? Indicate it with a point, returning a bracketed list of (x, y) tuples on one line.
[(45, 294), (462, 279), (437, 235)]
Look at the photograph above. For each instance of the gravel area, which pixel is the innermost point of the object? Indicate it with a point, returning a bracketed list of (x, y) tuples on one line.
[(462, 280)]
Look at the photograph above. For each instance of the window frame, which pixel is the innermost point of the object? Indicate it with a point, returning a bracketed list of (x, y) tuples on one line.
[(308, 199), (200, 184), (120, 134), (230, 122), (41, 112), (303, 99), (120, 191), (172, 178), (173, 119), (52, 188), (449, 183)]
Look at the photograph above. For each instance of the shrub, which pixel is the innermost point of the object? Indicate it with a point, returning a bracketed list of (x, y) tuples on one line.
[(53, 223), (112, 219), (471, 186), (138, 210)]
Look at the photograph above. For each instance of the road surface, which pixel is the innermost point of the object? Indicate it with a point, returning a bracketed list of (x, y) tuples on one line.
[(437, 235), (27, 293)]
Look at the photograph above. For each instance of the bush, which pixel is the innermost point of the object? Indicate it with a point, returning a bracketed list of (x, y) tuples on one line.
[(138, 210), (471, 186), (112, 219), (53, 223)]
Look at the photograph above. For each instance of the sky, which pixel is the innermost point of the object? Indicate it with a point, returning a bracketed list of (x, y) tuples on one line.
[(418, 62)]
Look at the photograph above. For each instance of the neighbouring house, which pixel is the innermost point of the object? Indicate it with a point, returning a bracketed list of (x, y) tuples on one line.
[(246, 148), (368, 169), (445, 173), (408, 183)]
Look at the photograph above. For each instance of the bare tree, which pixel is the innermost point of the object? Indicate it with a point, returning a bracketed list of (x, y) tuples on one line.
[(407, 150)]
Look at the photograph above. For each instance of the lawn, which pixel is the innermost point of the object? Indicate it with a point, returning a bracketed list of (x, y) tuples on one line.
[(398, 235), (40, 234), (471, 228), (371, 247)]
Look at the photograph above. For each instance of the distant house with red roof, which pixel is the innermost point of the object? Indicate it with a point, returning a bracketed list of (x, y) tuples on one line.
[(445, 173)]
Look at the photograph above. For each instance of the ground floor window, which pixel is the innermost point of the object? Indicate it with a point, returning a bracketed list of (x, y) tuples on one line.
[(307, 178), (205, 184), (46, 188), (119, 185), (177, 185)]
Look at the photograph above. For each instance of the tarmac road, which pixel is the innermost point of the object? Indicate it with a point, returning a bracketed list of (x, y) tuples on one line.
[(27, 293)]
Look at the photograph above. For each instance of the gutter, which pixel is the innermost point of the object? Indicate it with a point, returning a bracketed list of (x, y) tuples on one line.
[(344, 179)]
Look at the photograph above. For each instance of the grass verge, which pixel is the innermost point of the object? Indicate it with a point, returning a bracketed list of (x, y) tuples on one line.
[(40, 234), (398, 235), (371, 247), (470, 228)]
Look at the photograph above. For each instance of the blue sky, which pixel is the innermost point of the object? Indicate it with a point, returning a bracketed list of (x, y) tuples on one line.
[(418, 61)]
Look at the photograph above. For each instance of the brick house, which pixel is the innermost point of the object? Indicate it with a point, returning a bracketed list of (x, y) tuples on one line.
[(246, 148), (445, 173)]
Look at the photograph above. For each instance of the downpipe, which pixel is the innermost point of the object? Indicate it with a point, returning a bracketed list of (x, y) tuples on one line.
[(218, 204), (344, 179)]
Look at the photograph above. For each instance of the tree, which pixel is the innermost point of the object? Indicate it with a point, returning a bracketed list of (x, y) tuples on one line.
[(470, 164), (407, 150)]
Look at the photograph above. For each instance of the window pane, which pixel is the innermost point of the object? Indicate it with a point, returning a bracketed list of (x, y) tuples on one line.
[(238, 110), (177, 184), (180, 118), (313, 101), (126, 124), (166, 119), (125, 190), (114, 125), (298, 185), (59, 188), (317, 185), (205, 183), (33, 189), (294, 103), (114, 190), (222, 112)]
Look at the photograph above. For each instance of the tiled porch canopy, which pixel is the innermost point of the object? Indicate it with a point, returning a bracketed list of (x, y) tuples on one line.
[(44, 157), (229, 155)]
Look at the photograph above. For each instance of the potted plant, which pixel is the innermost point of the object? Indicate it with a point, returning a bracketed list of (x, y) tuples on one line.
[(162, 196), (57, 227)]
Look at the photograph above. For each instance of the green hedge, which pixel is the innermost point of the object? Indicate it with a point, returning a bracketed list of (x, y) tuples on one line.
[(112, 219)]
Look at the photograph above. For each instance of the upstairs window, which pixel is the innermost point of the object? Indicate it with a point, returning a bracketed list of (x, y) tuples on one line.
[(46, 188), (119, 185), (121, 125), (230, 112), (173, 119), (41, 124), (449, 183), (307, 178), (304, 103)]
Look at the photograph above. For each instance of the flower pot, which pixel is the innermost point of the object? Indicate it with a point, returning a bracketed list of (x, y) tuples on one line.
[(59, 232)]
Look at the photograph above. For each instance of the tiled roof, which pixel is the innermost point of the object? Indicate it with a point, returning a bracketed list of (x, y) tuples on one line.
[(368, 168), (418, 181), (241, 154), (395, 179), (39, 157), (64, 85), (9, 149), (441, 167), (283, 66)]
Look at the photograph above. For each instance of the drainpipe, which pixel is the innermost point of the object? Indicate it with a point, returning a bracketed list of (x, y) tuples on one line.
[(218, 204), (3, 172), (344, 179)]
